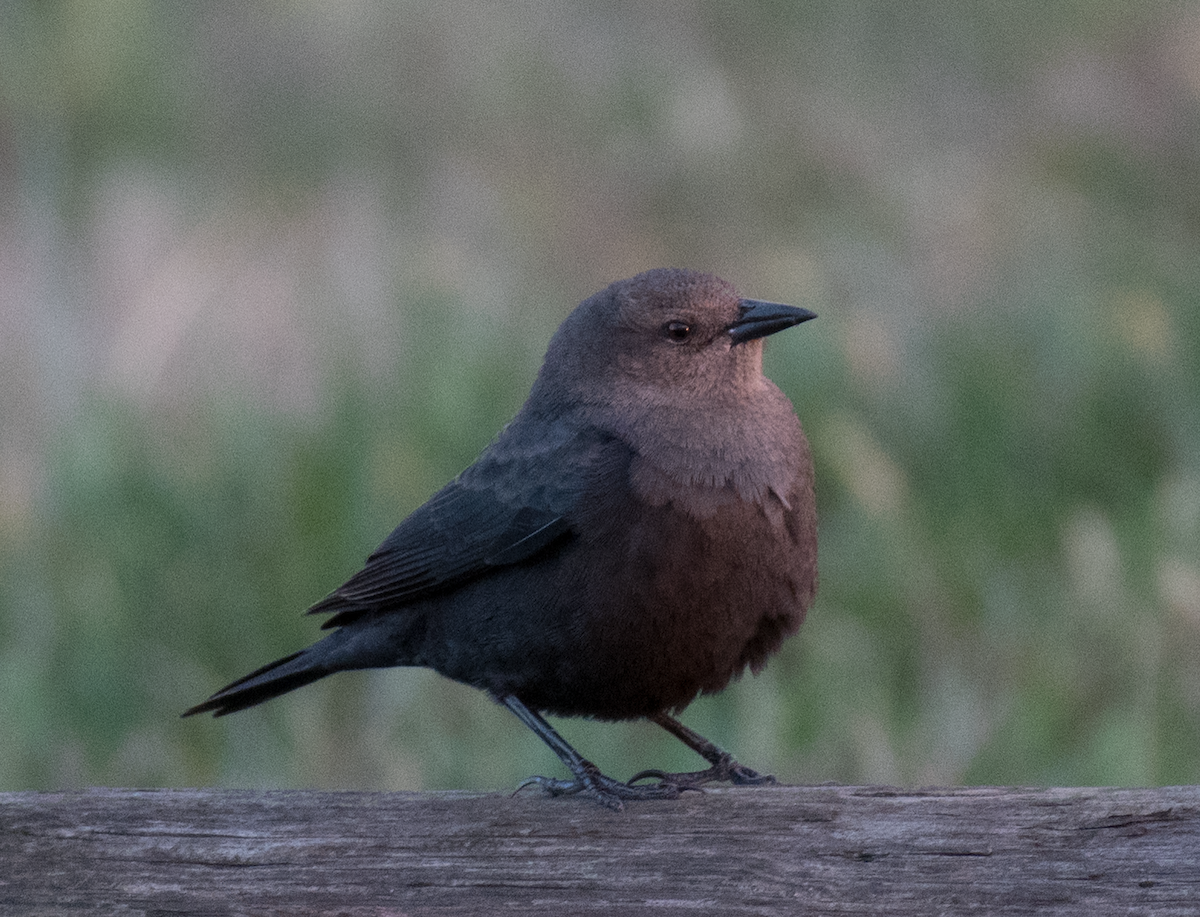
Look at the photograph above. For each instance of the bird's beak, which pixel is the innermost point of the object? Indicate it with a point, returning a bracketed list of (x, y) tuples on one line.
[(757, 319)]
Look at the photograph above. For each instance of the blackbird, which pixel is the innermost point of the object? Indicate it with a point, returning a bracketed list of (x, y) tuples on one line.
[(642, 532)]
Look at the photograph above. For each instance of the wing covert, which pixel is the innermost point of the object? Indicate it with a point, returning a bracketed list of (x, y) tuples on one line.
[(516, 501)]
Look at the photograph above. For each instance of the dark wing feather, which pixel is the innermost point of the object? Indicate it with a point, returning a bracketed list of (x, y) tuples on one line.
[(512, 504), (457, 535)]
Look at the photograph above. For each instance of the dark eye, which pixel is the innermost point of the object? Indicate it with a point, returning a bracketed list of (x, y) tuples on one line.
[(677, 331)]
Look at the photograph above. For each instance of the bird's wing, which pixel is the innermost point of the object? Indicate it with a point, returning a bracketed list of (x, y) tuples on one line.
[(506, 508)]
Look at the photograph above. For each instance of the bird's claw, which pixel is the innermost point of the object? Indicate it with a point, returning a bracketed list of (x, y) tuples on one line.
[(550, 786), (724, 769), (607, 791)]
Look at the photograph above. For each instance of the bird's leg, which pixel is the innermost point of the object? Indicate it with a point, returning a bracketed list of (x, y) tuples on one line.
[(587, 777), (724, 767)]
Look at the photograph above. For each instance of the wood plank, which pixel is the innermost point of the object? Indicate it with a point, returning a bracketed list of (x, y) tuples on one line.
[(797, 850)]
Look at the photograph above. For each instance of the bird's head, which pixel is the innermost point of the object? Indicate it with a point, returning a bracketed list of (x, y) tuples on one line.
[(665, 337)]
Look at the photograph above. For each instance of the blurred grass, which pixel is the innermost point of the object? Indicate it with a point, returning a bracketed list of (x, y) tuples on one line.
[(268, 278)]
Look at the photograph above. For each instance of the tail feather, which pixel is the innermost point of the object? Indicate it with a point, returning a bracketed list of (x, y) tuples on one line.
[(271, 680)]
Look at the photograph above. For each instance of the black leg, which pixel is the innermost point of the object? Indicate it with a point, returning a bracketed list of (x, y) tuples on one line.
[(724, 767), (587, 777)]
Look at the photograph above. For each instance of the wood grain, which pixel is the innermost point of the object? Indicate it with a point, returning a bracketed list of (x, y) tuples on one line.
[(779, 850)]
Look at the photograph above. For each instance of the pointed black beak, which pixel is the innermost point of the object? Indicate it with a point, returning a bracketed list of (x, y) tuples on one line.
[(757, 319)]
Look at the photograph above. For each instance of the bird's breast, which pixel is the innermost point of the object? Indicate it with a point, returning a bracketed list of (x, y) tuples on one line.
[(683, 593)]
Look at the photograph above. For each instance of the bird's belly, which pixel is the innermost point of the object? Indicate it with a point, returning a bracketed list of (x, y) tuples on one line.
[(671, 608), (637, 614)]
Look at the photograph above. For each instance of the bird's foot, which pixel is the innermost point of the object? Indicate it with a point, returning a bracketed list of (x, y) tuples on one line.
[(605, 790), (724, 769)]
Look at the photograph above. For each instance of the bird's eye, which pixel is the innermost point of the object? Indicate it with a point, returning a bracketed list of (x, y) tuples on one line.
[(677, 331)]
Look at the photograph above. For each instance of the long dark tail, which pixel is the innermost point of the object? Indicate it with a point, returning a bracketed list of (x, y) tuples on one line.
[(271, 680)]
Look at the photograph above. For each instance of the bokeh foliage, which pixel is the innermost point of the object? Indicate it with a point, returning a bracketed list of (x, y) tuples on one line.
[(271, 275)]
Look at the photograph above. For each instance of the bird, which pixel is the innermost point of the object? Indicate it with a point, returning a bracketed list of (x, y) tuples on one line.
[(642, 532)]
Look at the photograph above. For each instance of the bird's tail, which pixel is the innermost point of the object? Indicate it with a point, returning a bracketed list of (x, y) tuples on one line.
[(271, 680)]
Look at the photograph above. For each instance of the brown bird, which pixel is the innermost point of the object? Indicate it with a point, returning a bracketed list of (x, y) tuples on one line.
[(642, 532)]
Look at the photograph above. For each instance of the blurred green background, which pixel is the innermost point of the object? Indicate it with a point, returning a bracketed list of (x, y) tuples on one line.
[(270, 274)]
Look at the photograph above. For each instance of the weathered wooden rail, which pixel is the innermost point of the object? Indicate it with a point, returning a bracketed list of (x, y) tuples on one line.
[(778, 850)]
